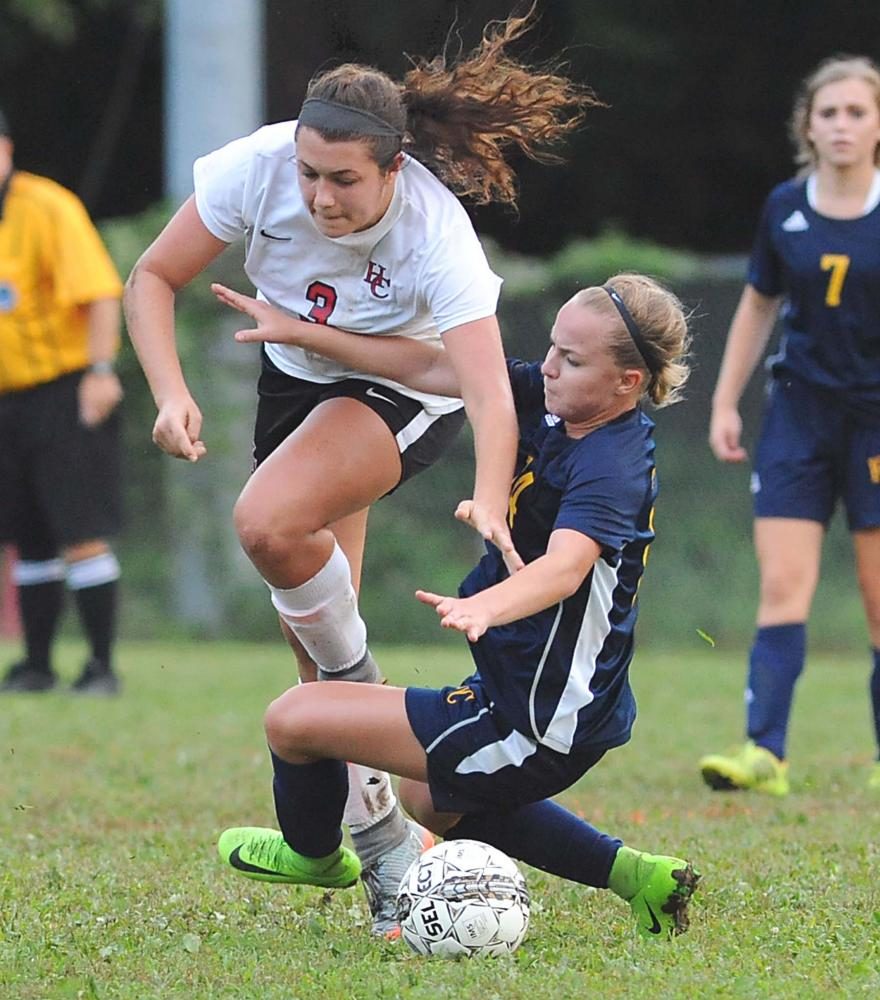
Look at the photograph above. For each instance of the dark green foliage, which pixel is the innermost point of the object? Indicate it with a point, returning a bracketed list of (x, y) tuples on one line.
[(59, 22), (691, 141)]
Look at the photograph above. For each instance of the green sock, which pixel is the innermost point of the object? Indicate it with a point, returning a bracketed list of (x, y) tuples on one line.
[(623, 879)]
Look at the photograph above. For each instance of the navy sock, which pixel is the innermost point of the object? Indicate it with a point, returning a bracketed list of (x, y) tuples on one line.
[(875, 696), (309, 800), (546, 836), (776, 661)]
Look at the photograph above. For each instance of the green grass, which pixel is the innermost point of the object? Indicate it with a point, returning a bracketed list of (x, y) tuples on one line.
[(110, 886)]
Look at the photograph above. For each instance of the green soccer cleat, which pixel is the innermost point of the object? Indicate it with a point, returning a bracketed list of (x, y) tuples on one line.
[(665, 887), (750, 767), (658, 889), (263, 854)]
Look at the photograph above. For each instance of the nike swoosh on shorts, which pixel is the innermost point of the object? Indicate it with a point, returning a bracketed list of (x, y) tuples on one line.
[(378, 395)]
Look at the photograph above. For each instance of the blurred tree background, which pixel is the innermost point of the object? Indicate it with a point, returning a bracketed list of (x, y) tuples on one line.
[(693, 137), (667, 179)]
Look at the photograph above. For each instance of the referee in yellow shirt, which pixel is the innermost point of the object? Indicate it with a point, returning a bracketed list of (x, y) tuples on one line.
[(59, 421)]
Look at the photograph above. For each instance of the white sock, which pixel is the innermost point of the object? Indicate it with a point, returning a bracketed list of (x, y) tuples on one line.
[(323, 613), (370, 798), (29, 573), (93, 572), (372, 815)]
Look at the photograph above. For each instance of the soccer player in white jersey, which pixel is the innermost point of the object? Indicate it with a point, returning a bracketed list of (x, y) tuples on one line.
[(551, 642), (350, 217)]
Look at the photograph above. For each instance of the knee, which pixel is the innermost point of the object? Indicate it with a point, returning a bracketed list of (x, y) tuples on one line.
[(781, 587), (85, 550), (285, 723), (872, 616), (262, 536)]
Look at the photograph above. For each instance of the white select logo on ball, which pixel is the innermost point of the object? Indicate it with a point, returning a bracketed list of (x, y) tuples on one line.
[(463, 898)]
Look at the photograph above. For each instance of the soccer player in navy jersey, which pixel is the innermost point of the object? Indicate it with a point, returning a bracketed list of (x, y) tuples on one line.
[(817, 258), (552, 641), (351, 215)]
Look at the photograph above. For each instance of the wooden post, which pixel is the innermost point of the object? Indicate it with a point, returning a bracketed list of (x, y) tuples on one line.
[(10, 623)]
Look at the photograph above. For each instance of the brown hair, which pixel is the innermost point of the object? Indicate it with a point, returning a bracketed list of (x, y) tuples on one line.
[(462, 118), (663, 324), (830, 70)]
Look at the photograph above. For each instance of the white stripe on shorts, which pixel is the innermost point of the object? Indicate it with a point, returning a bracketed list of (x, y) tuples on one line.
[(415, 429), (513, 749), (457, 725)]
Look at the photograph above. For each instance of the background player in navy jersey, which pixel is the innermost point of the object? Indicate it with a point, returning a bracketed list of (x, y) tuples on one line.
[(817, 252), (552, 642), (349, 215)]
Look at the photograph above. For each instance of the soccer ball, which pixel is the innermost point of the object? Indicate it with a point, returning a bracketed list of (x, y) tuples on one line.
[(463, 898)]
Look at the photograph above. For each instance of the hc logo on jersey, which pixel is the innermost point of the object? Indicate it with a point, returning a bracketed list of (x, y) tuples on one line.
[(377, 279)]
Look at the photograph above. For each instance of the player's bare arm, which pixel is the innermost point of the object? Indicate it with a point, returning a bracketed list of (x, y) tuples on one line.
[(100, 390), (549, 579), (478, 359), (750, 331), (413, 363), (183, 249)]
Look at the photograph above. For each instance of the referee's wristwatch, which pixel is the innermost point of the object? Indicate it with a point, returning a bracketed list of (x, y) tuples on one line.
[(101, 368)]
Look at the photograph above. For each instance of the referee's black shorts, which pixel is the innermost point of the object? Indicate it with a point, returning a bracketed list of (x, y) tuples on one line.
[(59, 480), (285, 402)]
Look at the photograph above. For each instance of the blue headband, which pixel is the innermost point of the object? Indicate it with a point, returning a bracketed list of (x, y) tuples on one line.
[(642, 347)]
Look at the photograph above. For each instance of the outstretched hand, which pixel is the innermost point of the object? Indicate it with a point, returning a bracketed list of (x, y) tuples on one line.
[(493, 529), (461, 613), (273, 325)]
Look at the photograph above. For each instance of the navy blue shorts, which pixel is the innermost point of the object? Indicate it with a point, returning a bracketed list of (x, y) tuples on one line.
[(476, 762), (811, 453), (286, 401)]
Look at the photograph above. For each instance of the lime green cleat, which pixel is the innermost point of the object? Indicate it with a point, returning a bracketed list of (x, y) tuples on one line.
[(263, 854), (657, 888), (874, 777), (750, 767)]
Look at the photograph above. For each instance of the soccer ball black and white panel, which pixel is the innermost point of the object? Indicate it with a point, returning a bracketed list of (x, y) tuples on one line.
[(463, 898)]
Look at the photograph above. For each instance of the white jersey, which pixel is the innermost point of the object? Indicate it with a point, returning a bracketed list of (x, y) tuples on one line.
[(418, 272)]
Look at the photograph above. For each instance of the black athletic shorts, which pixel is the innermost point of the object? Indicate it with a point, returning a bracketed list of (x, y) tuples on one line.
[(59, 480), (286, 401)]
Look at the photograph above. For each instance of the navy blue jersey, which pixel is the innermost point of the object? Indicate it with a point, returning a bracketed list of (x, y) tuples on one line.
[(561, 676), (829, 271)]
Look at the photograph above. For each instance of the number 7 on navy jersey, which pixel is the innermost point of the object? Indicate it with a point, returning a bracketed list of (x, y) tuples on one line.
[(837, 264)]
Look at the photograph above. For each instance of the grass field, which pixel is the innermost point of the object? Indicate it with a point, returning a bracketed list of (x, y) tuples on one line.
[(110, 886)]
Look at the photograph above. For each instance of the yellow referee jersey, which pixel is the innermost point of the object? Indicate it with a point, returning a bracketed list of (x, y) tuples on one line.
[(52, 264)]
